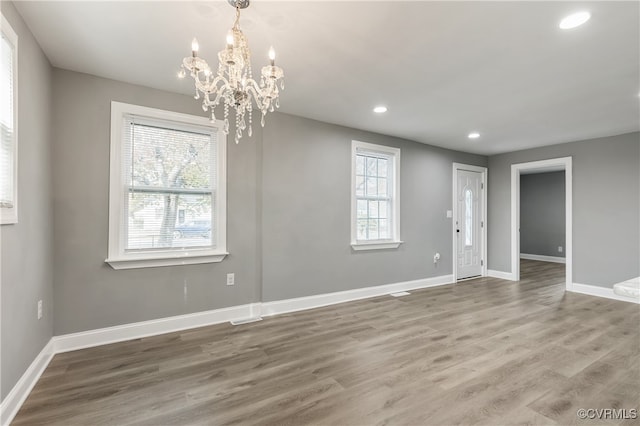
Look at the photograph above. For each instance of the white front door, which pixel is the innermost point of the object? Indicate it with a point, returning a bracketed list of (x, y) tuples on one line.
[(469, 223)]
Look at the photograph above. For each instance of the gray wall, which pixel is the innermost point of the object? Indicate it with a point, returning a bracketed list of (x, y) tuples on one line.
[(90, 294), (273, 193), (542, 214), (26, 247), (306, 210), (606, 207)]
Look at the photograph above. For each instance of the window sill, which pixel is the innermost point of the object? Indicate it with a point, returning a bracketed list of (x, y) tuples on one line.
[(174, 259), (376, 245)]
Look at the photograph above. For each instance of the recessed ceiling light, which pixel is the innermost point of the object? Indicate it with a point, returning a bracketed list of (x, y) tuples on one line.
[(474, 135), (380, 109), (574, 20)]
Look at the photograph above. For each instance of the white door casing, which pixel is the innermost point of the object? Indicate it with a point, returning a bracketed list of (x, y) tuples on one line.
[(469, 221), (554, 164)]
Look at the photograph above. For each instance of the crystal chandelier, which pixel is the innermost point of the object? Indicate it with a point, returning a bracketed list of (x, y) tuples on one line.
[(233, 83)]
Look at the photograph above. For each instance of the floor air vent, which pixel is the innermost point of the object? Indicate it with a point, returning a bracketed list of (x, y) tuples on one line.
[(245, 320)]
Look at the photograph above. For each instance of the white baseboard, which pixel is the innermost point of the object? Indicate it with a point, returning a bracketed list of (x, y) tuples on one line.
[(14, 400), (500, 274), (608, 293), (319, 300), (120, 333), (543, 258)]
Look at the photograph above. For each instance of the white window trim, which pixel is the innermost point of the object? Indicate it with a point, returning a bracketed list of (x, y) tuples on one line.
[(9, 215), (117, 257), (394, 154)]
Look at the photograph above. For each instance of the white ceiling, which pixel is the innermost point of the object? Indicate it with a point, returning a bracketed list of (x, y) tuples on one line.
[(443, 69)]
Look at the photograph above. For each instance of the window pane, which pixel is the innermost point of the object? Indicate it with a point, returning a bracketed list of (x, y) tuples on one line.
[(372, 169), (383, 209), (372, 186), (362, 209), (468, 217), (382, 167), (362, 229), (6, 168), (372, 229), (168, 220), (6, 76), (384, 229), (359, 186), (382, 187), (373, 209), (7, 158), (169, 158), (360, 160)]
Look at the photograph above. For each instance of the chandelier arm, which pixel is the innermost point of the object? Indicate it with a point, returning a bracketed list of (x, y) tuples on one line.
[(250, 82), (253, 93), (218, 79), (222, 90), (216, 101), (201, 86), (210, 86), (253, 88), (200, 83)]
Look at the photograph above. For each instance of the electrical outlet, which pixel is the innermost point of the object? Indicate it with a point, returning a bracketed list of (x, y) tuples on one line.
[(231, 279), (559, 249), (436, 257), (39, 309)]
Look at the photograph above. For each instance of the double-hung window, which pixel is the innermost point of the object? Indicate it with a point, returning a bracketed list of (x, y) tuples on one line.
[(167, 196), (375, 197), (8, 125)]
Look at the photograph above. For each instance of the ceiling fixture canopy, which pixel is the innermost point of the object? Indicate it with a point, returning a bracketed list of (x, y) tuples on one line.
[(233, 83)]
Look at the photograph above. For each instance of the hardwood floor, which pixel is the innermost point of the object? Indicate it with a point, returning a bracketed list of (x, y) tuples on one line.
[(485, 351)]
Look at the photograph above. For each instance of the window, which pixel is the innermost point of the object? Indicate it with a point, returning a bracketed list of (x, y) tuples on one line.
[(468, 218), (8, 126), (167, 197), (375, 204)]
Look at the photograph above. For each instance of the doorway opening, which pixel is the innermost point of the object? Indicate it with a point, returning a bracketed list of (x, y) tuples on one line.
[(469, 221), (535, 167)]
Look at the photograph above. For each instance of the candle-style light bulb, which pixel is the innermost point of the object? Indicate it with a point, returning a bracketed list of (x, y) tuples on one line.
[(195, 47), (272, 56), (229, 39)]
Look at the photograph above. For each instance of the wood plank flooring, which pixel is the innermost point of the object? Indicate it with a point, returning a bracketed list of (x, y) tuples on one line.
[(485, 351)]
